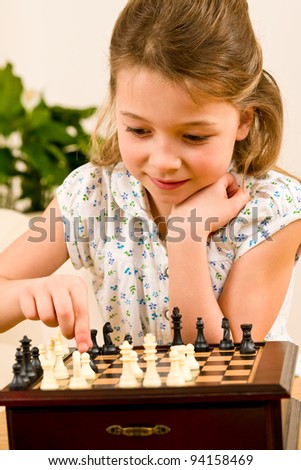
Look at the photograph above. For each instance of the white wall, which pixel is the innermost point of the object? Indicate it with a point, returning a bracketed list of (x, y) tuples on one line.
[(59, 47)]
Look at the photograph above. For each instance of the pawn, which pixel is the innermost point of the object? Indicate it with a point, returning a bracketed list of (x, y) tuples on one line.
[(247, 345), (48, 381), (36, 363), (95, 350), (127, 379), (77, 382), (185, 371), (17, 382), (93, 364), (42, 353), (86, 370), (191, 361), (175, 377)]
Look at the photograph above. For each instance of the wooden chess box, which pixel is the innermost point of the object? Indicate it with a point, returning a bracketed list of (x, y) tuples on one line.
[(245, 411)]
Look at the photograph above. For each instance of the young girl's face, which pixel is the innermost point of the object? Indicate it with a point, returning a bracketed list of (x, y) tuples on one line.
[(172, 145)]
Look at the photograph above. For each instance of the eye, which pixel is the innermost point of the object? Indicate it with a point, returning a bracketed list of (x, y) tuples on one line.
[(195, 139), (138, 131)]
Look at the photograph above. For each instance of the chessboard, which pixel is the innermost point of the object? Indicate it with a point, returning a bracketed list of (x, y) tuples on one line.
[(216, 367)]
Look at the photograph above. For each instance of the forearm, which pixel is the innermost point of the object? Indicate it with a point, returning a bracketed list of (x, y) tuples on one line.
[(191, 289), (10, 310)]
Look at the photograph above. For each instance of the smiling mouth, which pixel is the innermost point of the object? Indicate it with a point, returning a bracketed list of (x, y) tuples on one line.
[(167, 185)]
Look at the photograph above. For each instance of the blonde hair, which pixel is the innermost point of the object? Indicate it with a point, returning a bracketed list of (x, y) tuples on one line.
[(205, 46)]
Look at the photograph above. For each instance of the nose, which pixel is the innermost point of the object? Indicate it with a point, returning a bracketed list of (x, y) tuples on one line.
[(165, 158)]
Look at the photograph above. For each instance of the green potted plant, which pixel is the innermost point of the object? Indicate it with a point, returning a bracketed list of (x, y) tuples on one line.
[(39, 144)]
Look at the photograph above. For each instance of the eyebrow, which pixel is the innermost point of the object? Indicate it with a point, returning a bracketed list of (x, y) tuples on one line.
[(190, 123)]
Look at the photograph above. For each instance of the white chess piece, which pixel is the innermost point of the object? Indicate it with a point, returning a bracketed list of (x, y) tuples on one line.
[(127, 378), (61, 339), (42, 353), (191, 361), (50, 350), (77, 381), (182, 361), (86, 370), (151, 377), (60, 370), (48, 381), (175, 377), (137, 371)]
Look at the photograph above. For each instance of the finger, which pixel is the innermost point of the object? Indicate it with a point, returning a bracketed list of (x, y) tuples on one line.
[(64, 312), (82, 321), (45, 308), (28, 306)]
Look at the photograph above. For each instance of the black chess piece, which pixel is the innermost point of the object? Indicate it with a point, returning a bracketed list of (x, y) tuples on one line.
[(92, 362), (128, 338), (17, 382), (108, 347), (35, 361), (27, 370), (247, 345), (176, 321), (95, 350), (226, 343), (200, 344)]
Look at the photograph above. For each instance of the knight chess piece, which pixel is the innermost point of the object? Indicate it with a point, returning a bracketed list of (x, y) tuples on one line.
[(108, 347)]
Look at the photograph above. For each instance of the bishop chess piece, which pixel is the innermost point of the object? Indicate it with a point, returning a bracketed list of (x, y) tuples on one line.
[(17, 382), (200, 344), (226, 343), (247, 345), (108, 347), (176, 321)]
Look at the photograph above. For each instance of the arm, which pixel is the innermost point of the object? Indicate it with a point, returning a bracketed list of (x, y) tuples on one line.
[(189, 277), (29, 290), (257, 284), (248, 296)]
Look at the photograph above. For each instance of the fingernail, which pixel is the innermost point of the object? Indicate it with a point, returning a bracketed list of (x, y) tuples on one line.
[(82, 347)]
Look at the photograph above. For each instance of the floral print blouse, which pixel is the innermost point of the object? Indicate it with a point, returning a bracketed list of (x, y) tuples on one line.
[(109, 229)]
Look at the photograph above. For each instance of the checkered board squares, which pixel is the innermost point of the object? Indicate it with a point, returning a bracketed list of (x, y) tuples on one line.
[(216, 367)]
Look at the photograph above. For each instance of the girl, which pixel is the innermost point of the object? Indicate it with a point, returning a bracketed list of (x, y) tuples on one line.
[(181, 205)]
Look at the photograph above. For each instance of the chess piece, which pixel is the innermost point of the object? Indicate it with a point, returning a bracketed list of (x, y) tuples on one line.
[(27, 370), (93, 364), (200, 344), (95, 350), (86, 370), (226, 343), (48, 381), (60, 370), (191, 361), (151, 377), (42, 353), (50, 354), (17, 382), (108, 347), (137, 371), (128, 338), (36, 363), (175, 377), (61, 339), (77, 381), (127, 378), (185, 371), (247, 345), (176, 321)]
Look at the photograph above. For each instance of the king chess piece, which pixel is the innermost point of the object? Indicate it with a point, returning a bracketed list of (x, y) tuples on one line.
[(176, 321)]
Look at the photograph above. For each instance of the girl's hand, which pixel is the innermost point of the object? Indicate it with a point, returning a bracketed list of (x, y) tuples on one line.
[(59, 300), (213, 206)]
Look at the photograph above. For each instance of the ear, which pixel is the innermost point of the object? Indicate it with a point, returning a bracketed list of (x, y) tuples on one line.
[(245, 123)]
